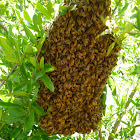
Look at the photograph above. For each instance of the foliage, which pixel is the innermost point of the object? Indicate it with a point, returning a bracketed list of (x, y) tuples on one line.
[(21, 72)]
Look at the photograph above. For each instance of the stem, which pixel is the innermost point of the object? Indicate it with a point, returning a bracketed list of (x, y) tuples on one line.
[(9, 74), (4, 28), (115, 8), (100, 135), (117, 123)]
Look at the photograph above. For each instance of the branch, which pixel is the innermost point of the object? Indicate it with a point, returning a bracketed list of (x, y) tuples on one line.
[(115, 8), (9, 74), (4, 28), (100, 134), (117, 123)]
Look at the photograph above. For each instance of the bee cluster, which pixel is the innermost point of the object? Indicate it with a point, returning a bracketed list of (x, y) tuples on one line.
[(82, 69)]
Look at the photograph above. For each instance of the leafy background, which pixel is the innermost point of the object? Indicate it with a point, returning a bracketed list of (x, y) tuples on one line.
[(23, 28)]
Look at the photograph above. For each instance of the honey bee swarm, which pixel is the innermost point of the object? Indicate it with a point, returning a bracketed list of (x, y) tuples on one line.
[(82, 69)]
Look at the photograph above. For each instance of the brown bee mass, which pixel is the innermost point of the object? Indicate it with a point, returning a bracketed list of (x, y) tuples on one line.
[(82, 69)]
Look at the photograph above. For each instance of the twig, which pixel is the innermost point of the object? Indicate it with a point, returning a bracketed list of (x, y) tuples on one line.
[(137, 125), (100, 134), (117, 123), (115, 8), (4, 28), (9, 74)]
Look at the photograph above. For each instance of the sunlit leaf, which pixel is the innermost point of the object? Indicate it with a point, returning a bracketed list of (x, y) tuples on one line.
[(128, 27), (73, 8), (110, 48), (26, 16), (62, 7), (42, 63), (33, 62), (138, 20), (19, 93)]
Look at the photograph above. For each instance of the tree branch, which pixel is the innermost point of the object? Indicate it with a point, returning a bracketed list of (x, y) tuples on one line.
[(115, 8), (4, 28), (100, 134), (117, 123)]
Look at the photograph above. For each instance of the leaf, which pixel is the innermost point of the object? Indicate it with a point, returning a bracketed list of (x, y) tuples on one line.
[(50, 8), (112, 86), (49, 68), (16, 132), (138, 20), (30, 122), (40, 43), (73, 8), (26, 16), (33, 62), (138, 1), (19, 93), (39, 110), (103, 33), (0, 114), (132, 133), (117, 102), (8, 104), (128, 27), (110, 48), (15, 115), (43, 10), (29, 86), (35, 95), (48, 83), (35, 20), (39, 21), (132, 101), (30, 35), (63, 12), (62, 7), (42, 63)]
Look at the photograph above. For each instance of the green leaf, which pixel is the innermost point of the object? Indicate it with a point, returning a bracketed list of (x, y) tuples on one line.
[(117, 102), (42, 63), (39, 110), (62, 7), (63, 12), (39, 21), (15, 115), (132, 133), (30, 35), (40, 43), (103, 33), (33, 62), (48, 83), (49, 68), (50, 8), (10, 85), (30, 122), (110, 48), (0, 114), (112, 86), (43, 10), (27, 17), (35, 20), (138, 20), (29, 86), (128, 27), (16, 132), (138, 1), (132, 101), (19, 93), (8, 104), (73, 8), (35, 95)]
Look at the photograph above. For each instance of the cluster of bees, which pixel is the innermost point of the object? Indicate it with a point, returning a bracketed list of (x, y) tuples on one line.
[(81, 71)]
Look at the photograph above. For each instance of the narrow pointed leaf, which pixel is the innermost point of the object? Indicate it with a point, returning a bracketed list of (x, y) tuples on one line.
[(47, 82)]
